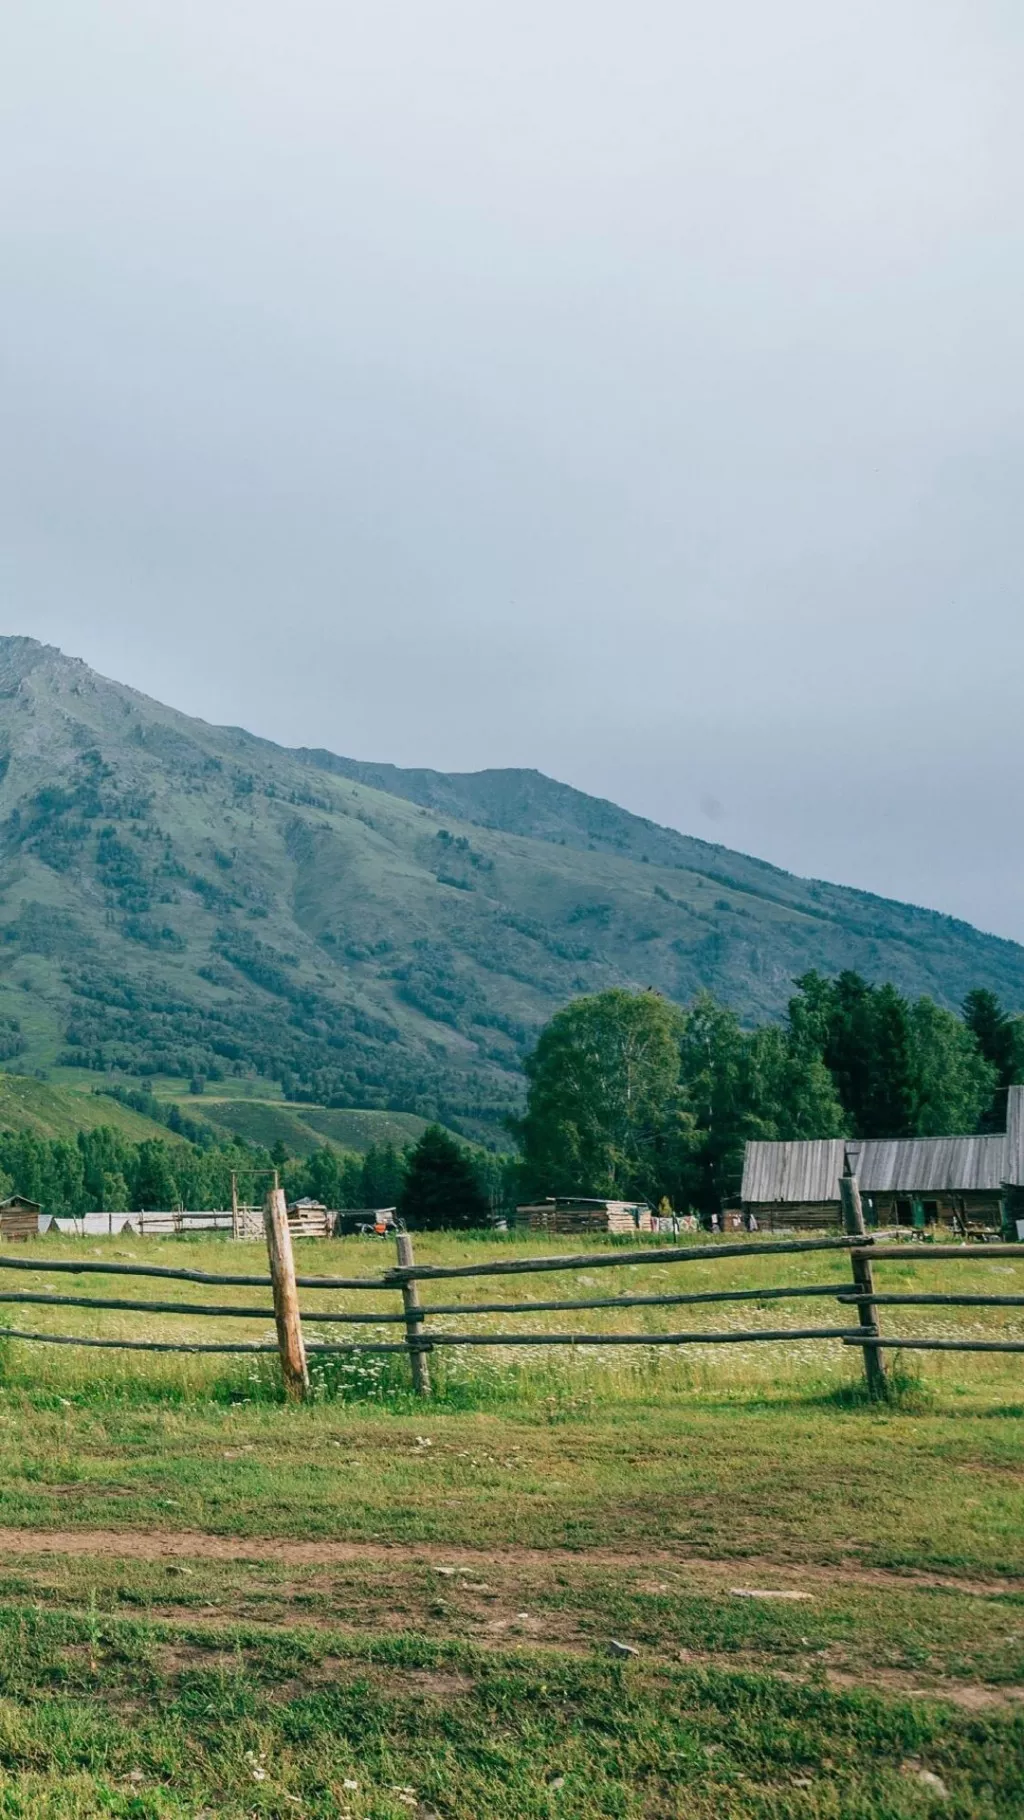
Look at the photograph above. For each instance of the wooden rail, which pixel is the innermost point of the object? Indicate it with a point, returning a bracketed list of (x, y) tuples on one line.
[(420, 1339)]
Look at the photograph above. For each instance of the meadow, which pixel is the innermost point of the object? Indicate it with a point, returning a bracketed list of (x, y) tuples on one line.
[(633, 1582)]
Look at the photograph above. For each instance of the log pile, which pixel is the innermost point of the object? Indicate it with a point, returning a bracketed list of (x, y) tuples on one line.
[(567, 1215)]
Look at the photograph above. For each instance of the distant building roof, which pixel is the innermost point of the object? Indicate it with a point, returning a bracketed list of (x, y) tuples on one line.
[(800, 1170), (928, 1165), (809, 1169)]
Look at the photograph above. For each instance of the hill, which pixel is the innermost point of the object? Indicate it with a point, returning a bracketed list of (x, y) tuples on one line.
[(49, 1111), (303, 1129), (182, 899)]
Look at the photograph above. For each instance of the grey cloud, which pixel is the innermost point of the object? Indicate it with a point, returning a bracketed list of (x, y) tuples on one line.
[(630, 392)]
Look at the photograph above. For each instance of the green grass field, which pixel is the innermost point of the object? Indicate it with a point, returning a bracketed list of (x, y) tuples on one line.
[(212, 1604)]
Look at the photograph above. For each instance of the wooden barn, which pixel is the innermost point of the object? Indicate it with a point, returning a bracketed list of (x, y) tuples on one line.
[(963, 1182), (577, 1213)]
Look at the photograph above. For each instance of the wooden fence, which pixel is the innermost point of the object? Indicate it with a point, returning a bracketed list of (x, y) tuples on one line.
[(857, 1294)]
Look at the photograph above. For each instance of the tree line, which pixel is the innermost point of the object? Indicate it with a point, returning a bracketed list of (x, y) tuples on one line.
[(435, 1182), (628, 1096), (631, 1096)]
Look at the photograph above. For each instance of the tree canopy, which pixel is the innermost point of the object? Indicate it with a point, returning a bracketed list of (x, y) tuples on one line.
[(441, 1188), (631, 1096)]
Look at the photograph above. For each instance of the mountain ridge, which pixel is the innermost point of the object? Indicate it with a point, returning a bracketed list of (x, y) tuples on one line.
[(440, 790), (182, 898)]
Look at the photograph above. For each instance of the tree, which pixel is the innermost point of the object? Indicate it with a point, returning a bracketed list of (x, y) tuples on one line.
[(1000, 1040), (791, 1093), (714, 1076), (155, 1184), (604, 1108), (383, 1176), (864, 1037), (954, 1085), (440, 1189)]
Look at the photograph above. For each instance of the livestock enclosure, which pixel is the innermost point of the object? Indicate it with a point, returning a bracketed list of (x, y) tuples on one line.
[(354, 1317), (629, 1580)]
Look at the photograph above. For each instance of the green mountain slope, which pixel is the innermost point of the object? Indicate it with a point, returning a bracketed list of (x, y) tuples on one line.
[(49, 1111), (303, 1129), (185, 899)]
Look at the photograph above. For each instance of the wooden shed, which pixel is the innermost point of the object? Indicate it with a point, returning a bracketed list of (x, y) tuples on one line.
[(19, 1218), (916, 1182), (578, 1213)]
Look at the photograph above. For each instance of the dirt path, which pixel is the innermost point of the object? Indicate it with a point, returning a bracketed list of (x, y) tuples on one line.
[(745, 1570)]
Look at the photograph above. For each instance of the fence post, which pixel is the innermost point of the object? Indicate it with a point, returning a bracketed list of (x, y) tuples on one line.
[(413, 1324), (853, 1220), (286, 1297)]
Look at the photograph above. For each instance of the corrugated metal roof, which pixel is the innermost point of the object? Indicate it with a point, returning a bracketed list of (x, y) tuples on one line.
[(1014, 1165), (958, 1165), (799, 1170)]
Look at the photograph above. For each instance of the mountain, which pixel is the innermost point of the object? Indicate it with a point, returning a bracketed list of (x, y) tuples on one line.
[(187, 900)]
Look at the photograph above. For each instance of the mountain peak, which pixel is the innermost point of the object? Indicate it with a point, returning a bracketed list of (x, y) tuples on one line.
[(20, 656), (197, 901)]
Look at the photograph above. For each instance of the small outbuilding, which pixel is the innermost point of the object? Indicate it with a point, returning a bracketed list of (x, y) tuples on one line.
[(19, 1218)]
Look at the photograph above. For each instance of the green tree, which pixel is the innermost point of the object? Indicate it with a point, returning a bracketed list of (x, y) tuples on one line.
[(604, 1110), (1000, 1040), (954, 1086), (739, 1085), (713, 1067), (790, 1092), (114, 1194), (864, 1037), (441, 1189), (153, 1183), (383, 1176), (322, 1176)]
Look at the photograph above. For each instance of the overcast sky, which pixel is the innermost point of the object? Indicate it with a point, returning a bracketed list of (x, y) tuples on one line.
[(631, 391)]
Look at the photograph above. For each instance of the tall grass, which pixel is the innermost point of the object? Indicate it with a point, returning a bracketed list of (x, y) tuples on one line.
[(540, 1378)]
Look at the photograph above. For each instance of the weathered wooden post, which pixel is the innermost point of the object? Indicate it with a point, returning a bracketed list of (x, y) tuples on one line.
[(863, 1281), (413, 1323), (286, 1297)]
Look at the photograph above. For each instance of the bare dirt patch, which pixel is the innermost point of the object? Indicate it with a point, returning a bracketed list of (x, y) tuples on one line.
[(196, 1545), (971, 1695)]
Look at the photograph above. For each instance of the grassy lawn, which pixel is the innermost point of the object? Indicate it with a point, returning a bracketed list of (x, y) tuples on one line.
[(213, 1605)]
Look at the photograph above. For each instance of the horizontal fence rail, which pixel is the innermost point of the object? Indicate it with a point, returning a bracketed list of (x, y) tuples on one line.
[(915, 1345), (612, 1260), (933, 1301), (860, 1296)]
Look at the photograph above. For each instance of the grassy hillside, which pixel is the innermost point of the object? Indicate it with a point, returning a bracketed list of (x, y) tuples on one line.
[(61, 1112), (304, 1128), (191, 899)]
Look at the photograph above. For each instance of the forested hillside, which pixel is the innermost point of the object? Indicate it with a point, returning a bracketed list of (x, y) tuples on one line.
[(186, 900)]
